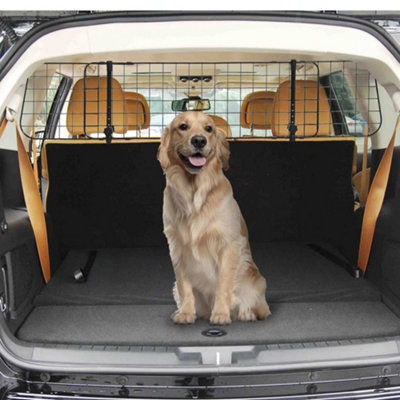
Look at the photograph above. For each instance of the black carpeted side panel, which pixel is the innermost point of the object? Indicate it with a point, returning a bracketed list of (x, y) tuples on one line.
[(10, 179), (151, 325), (294, 273), (383, 267), (104, 196), (295, 191)]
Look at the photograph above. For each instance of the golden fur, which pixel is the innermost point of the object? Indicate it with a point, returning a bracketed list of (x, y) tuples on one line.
[(216, 277)]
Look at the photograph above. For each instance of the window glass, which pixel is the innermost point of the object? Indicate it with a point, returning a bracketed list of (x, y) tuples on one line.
[(224, 103), (355, 122), (39, 97)]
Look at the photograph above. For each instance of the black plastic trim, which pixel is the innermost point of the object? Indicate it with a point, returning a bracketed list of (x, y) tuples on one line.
[(56, 107), (378, 382), (165, 16)]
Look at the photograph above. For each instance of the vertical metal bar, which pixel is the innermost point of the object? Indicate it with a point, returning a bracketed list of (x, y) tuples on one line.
[(98, 119), (279, 102), (163, 108), (318, 103), (215, 88), (227, 92), (109, 92), (137, 89), (109, 129), (267, 104), (241, 100), (292, 128), (84, 100), (124, 110), (253, 112), (176, 82)]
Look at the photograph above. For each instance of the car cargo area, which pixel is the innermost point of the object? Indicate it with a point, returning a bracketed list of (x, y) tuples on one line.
[(127, 298), (104, 195), (127, 301)]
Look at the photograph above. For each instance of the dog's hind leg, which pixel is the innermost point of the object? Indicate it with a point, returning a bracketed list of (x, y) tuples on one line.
[(261, 309), (253, 305)]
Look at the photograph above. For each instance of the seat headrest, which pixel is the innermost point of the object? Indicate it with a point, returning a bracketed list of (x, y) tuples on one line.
[(256, 110), (95, 119), (312, 115), (222, 125), (137, 111)]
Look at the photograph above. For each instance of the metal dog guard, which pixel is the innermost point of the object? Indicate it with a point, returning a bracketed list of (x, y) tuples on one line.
[(350, 89)]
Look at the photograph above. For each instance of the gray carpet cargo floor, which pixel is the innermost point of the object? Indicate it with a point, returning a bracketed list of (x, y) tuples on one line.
[(294, 272), (127, 300), (150, 325)]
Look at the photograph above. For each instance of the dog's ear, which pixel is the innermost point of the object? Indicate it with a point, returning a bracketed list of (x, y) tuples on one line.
[(223, 152), (162, 155)]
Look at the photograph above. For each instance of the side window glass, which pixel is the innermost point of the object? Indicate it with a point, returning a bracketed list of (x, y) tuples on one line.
[(39, 97), (353, 119)]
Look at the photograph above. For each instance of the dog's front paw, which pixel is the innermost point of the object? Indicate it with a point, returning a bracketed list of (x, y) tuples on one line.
[(183, 317), (220, 318)]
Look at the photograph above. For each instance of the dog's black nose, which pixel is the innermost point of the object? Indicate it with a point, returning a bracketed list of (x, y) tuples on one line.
[(199, 141)]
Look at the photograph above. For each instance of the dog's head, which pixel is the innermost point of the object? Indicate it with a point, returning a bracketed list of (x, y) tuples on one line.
[(192, 141)]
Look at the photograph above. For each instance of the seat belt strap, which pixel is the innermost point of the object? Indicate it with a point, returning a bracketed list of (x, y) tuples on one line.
[(364, 186), (34, 206), (374, 202), (3, 125), (34, 157)]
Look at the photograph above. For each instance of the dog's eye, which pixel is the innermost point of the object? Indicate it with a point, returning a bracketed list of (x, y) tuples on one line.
[(183, 127), (208, 128)]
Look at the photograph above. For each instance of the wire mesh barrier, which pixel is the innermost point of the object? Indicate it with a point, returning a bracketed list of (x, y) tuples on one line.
[(109, 100)]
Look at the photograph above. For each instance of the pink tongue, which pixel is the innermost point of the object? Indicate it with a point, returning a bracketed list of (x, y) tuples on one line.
[(197, 161)]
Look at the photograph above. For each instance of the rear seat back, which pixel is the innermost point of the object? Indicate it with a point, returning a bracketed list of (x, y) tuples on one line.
[(312, 111), (87, 108), (302, 190), (295, 191), (103, 195), (137, 111), (222, 125), (256, 111)]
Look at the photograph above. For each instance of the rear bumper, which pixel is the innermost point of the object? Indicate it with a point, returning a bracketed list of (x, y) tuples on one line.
[(378, 382)]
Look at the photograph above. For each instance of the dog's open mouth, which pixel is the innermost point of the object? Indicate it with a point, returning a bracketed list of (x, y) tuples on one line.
[(195, 161)]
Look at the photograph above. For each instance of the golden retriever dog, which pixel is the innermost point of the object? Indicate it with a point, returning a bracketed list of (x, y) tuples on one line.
[(216, 277)]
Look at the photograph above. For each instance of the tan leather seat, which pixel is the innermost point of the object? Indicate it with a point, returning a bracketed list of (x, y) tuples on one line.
[(312, 111), (222, 125), (256, 110), (92, 93), (137, 111)]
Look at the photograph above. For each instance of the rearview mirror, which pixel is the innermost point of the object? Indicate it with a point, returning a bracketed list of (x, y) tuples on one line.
[(191, 104)]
